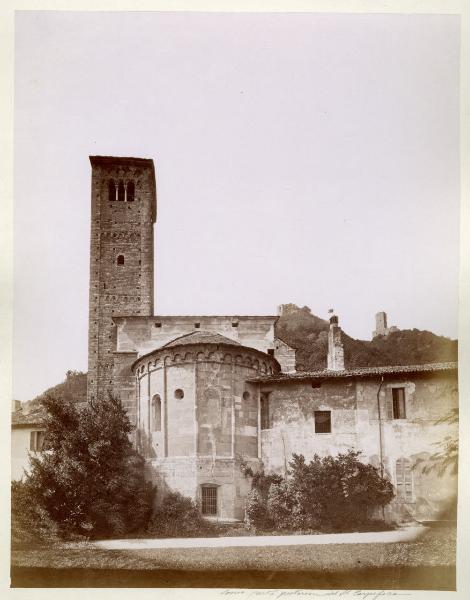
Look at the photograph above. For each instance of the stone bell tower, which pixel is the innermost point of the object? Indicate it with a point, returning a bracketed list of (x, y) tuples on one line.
[(123, 212)]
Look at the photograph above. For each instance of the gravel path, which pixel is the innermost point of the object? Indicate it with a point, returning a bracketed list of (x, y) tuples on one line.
[(405, 534)]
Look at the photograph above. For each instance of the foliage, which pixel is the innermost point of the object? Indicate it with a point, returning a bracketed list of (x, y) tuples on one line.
[(446, 458), (333, 493), (256, 511), (177, 516), (89, 481), (30, 523), (308, 334)]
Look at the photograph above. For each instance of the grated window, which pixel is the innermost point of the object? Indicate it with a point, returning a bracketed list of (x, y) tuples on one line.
[(322, 421), (209, 501)]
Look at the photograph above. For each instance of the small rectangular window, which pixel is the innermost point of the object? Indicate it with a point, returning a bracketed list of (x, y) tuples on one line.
[(322, 421), (209, 501), (36, 441), (235, 324), (271, 351), (197, 325), (158, 324), (398, 396)]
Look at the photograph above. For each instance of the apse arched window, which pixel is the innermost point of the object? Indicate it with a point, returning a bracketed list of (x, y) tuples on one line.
[(156, 413), (264, 410), (111, 190), (120, 259), (130, 191), (121, 192)]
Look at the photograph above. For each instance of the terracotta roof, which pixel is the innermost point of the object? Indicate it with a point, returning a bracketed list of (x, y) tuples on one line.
[(200, 337), (358, 372), (32, 418)]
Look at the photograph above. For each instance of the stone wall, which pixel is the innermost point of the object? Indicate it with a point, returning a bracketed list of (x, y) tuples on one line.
[(355, 424), (209, 419), (144, 335), (118, 228)]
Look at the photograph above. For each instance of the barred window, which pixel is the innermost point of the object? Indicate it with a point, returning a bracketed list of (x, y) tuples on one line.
[(404, 480), (322, 421), (209, 500)]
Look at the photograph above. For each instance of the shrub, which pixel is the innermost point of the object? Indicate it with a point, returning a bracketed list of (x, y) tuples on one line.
[(89, 481), (256, 513), (284, 507), (330, 493), (177, 516), (30, 523)]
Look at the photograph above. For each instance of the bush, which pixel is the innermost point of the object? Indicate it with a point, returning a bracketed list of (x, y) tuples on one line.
[(30, 523), (331, 493), (256, 512), (178, 516), (285, 509), (89, 481)]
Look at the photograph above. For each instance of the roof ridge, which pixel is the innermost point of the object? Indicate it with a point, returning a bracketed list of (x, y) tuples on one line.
[(198, 332)]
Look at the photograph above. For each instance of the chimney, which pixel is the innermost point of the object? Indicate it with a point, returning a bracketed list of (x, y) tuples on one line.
[(335, 346)]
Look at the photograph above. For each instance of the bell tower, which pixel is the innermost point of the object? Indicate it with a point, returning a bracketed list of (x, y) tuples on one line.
[(123, 212)]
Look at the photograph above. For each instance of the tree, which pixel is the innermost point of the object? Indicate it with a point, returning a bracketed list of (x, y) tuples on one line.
[(89, 481)]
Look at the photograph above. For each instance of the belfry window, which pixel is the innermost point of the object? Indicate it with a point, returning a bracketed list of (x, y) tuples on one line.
[(111, 190), (120, 259), (121, 192), (156, 413), (130, 191)]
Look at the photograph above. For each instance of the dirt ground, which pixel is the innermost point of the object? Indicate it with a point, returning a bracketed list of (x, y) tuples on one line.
[(428, 563)]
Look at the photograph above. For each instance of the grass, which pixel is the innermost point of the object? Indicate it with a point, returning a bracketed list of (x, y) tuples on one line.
[(435, 548)]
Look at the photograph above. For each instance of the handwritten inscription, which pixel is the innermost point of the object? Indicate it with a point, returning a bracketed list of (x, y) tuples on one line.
[(275, 594)]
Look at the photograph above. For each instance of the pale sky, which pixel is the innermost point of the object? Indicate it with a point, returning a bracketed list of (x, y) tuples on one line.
[(300, 158)]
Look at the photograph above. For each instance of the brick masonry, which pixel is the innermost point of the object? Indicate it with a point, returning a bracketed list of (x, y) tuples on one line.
[(119, 227)]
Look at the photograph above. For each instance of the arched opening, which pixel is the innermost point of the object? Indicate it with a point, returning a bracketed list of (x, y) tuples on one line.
[(121, 192), (120, 259), (130, 191), (156, 413), (264, 410), (111, 190)]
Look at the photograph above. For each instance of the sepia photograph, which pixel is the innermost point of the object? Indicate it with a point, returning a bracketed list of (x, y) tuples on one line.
[(236, 241)]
